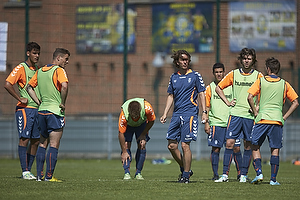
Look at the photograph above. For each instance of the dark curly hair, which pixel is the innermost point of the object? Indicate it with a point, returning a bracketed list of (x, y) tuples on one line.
[(177, 54), (247, 52)]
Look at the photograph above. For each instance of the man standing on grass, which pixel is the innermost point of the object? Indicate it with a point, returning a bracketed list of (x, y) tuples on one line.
[(185, 88), (52, 82), (26, 111), (218, 113), (136, 117), (269, 121), (240, 119)]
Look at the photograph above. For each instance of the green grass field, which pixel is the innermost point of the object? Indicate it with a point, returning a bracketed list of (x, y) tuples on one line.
[(102, 179)]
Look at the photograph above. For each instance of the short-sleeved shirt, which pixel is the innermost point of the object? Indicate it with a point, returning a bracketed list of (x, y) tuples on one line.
[(18, 75), (185, 89), (59, 77), (240, 83), (228, 79), (149, 112), (219, 111), (289, 93), (50, 93)]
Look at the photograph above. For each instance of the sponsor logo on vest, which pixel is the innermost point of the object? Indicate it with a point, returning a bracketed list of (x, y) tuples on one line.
[(215, 96), (243, 83)]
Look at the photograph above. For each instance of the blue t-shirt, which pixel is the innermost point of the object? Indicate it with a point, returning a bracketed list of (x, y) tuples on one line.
[(185, 89)]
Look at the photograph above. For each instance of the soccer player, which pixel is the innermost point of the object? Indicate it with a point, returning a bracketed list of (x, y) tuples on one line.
[(26, 111), (241, 119), (185, 86), (52, 85), (136, 117), (215, 127), (269, 119)]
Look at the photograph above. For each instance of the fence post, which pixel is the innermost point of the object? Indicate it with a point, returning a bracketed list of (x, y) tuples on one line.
[(109, 136), (283, 150)]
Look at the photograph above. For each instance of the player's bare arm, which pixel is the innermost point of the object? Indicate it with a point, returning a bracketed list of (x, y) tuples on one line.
[(202, 102), (206, 125), (124, 156), (10, 89), (251, 103), (169, 103), (221, 94), (32, 94), (64, 94), (292, 108)]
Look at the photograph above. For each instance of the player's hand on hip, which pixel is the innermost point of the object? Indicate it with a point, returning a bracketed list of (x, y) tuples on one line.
[(233, 102), (62, 108), (24, 100)]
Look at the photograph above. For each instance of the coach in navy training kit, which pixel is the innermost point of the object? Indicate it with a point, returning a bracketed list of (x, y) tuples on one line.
[(184, 88)]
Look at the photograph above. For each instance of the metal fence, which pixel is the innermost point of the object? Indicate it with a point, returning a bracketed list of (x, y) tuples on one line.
[(97, 137)]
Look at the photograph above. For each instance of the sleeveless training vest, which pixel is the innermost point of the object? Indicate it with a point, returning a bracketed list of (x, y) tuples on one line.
[(271, 100), (28, 74), (241, 84), (50, 96), (219, 111)]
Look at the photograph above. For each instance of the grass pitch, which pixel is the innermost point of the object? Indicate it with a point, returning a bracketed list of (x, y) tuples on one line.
[(102, 179)]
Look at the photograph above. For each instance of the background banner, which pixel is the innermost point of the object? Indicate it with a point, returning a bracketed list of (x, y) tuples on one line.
[(182, 26), (264, 26), (100, 28)]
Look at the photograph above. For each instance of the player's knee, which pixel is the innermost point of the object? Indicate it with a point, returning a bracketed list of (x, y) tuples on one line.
[(185, 146), (172, 146)]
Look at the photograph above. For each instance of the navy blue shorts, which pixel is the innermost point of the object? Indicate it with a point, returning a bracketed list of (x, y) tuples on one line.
[(130, 130), (27, 122), (216, 138), (183, 128), (50, 122), (272, 131), (239, 127)]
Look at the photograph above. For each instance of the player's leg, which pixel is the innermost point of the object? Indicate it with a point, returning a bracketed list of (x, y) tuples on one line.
[(275, 142), (55, 124), (35, 137), (237, 157), (228, 155), (258, 136), (274, 161), (175, 152), (216, 140), (41, 151), (31, 152), (257, 164), (51, 158), (186, 158), (173, 137), (188, 130), (22, 151), (40, 158), (214, 157), (24, 129), (247, 156), (128, 139), (140, 159), (141, 151), (233, 132)]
